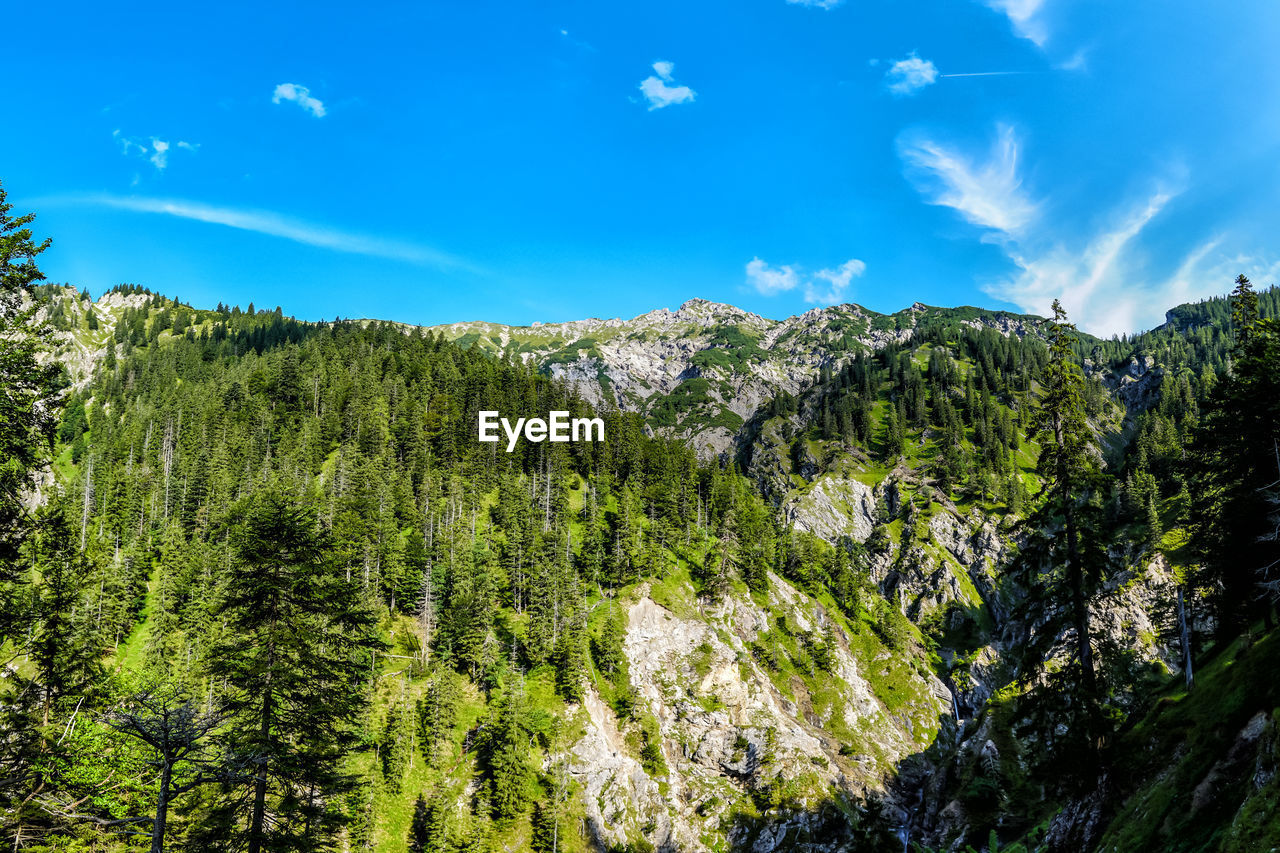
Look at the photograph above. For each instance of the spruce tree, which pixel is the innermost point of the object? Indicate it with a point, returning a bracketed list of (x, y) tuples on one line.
[(506, 758), (428, 833), (1154, 529), (1067, 466), (1062, 561), (178, 734), (295, 659), (1235, 468), (28, 389)]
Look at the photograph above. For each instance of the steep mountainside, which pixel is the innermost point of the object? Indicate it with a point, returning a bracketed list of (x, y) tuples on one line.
[(822, 636)]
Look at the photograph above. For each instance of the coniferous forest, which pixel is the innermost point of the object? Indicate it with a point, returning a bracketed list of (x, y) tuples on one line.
[(262, 589)]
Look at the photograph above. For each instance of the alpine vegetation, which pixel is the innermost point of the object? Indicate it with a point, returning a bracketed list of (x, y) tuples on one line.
[(947, 579)]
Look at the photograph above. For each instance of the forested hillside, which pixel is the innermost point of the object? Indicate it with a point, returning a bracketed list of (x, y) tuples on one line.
[(973, 581)]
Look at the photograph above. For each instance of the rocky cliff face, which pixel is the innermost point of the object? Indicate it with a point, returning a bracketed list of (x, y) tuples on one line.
[(1137, 384), (749, 747), (80, 348)]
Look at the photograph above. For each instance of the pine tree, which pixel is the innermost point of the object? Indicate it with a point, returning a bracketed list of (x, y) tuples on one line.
[(545, 836), (1235, 466), (506, 758), (723, 559), (893, 434), (62, 646), (571, 662), (294, 661), (178, 734), (437, 712), (27, 394), (64, 657), (398, 742), (1067, 466), (429, 833), (1154, 529)]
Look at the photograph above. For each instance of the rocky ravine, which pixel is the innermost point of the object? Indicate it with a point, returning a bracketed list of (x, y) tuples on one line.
[(728, 728)]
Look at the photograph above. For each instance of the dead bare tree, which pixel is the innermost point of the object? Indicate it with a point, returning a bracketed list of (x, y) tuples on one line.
[(178, 732)]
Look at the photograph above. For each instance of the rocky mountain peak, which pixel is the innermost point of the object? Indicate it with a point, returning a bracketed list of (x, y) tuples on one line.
[(707, 313)]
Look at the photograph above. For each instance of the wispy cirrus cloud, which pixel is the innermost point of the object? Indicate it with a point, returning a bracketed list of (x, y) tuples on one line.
[(910, 74), (274, 225), (986, 191), (300, 95), (816, 4), (1100, 283), (153, 149), (1100, 273), (661, 90), (823, 287), (578, 43)]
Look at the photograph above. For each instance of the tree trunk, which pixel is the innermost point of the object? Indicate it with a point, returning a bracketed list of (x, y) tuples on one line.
[(1184, 634), (1079, 608), (162, 810), (260, 779)]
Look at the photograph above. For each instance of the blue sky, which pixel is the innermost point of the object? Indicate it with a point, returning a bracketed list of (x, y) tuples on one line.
[(438, 161)]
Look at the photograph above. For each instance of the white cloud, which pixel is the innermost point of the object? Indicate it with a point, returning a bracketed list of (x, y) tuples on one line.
[(837, 283), (1107, 286), (824, 287), (275, 225), (160, 153), (816, 4), (768, 280), (660, 90), (910, 75), (156, 150), (301, 96), (1078, 61), (1025, 17), (989, 194), (1102, 276), (1100, 284)]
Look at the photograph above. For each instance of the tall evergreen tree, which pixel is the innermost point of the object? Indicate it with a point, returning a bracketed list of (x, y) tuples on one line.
[(506, 757), (1067, 465), (1061, 563), (295, 659), (28, 390), (1235, 469)]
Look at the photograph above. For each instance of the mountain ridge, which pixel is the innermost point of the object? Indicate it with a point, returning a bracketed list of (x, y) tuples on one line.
[(700, 372)]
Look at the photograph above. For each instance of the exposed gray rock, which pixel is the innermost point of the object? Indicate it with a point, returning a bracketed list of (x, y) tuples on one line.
[(1134, 605), (726, 728), (835, 507), (618, 795)]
